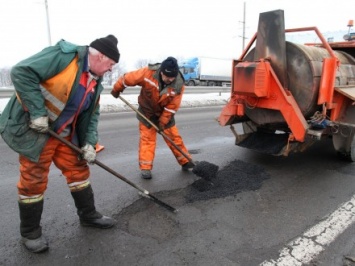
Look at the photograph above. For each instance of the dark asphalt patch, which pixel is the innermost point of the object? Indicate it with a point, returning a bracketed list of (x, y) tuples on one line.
[(146, 219), (237, 176)]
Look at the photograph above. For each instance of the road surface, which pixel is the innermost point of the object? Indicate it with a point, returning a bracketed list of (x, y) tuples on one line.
[(261, 209)]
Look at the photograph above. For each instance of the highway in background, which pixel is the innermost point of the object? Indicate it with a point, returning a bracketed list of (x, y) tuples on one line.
[(7, 92)]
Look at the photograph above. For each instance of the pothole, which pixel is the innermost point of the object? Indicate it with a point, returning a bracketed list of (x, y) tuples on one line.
[(144, 218)]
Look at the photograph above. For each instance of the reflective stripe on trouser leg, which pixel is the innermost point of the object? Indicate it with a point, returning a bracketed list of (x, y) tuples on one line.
[(174, 135), (147, 144), (30, 199), (77, 186)]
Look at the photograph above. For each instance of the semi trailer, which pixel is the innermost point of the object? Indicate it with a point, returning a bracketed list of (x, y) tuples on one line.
[(206, 71)]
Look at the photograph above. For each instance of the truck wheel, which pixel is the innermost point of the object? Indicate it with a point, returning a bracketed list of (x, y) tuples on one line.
[(351, 154), (211, 83), (345, 146), (191, 83)]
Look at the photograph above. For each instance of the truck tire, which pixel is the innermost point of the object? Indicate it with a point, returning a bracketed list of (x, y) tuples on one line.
[(345, 146), (352, 151), (191, 83)]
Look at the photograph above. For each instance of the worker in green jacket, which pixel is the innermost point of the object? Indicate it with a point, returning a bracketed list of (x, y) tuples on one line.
[(57, 88)]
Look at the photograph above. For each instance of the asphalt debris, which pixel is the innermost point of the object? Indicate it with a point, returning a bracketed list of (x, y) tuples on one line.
[(205, 170), (236, 177)]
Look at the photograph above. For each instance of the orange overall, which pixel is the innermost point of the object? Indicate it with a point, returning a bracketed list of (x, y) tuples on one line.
[(147, 144), (34, 175)]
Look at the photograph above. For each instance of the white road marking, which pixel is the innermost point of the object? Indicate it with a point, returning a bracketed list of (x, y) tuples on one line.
[(307, 247)]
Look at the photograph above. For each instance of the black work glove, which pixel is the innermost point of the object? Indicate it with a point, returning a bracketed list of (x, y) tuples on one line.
[(115, 94), (161, 127)]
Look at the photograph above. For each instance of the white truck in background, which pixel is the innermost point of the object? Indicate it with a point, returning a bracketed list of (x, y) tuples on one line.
[(207, 71)]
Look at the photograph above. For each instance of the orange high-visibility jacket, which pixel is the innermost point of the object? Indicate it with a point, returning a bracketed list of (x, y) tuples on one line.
[(155, 100)]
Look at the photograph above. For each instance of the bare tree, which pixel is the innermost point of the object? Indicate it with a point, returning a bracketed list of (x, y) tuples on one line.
[(142, 63), (117, 71), (180, 59), (108, 79)]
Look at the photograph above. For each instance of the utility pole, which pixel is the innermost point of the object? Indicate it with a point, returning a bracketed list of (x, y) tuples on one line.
[(243, 22), (350, 24), (244, 27), (48, 26)]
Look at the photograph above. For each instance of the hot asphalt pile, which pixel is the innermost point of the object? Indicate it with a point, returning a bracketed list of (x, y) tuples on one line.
[(145, 220), (237, 176), (234, 178), (205, 170)]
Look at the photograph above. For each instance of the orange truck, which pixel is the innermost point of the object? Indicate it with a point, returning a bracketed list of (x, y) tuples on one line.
[(286, 96)]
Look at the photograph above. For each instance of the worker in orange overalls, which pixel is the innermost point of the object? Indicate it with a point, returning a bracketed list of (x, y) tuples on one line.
[(159, 100)]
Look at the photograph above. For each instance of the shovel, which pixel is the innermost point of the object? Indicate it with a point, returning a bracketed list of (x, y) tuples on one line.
[(142, 191), (203, 169)]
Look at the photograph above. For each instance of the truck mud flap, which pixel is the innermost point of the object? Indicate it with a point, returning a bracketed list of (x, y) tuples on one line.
[(268, 143)]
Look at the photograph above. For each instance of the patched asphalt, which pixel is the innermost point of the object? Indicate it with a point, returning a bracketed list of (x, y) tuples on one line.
[(234, 178)]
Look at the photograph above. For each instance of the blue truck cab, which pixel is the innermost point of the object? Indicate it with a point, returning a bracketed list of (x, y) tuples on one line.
[(189, 70)]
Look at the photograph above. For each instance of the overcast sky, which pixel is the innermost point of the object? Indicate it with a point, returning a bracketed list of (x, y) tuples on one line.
[(155, 29)]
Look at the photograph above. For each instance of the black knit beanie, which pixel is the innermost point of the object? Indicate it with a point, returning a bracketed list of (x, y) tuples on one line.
[(170, 67), (107, 46)]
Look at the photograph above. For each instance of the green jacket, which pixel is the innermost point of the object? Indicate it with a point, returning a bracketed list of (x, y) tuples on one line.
[(26, 77)]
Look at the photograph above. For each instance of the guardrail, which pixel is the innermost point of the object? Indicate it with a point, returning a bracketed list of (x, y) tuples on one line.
[(6, 92)]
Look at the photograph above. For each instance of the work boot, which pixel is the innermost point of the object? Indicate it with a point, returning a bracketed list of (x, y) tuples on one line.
[(187, 166), (30, 229), (84, 202), (146, 174)]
